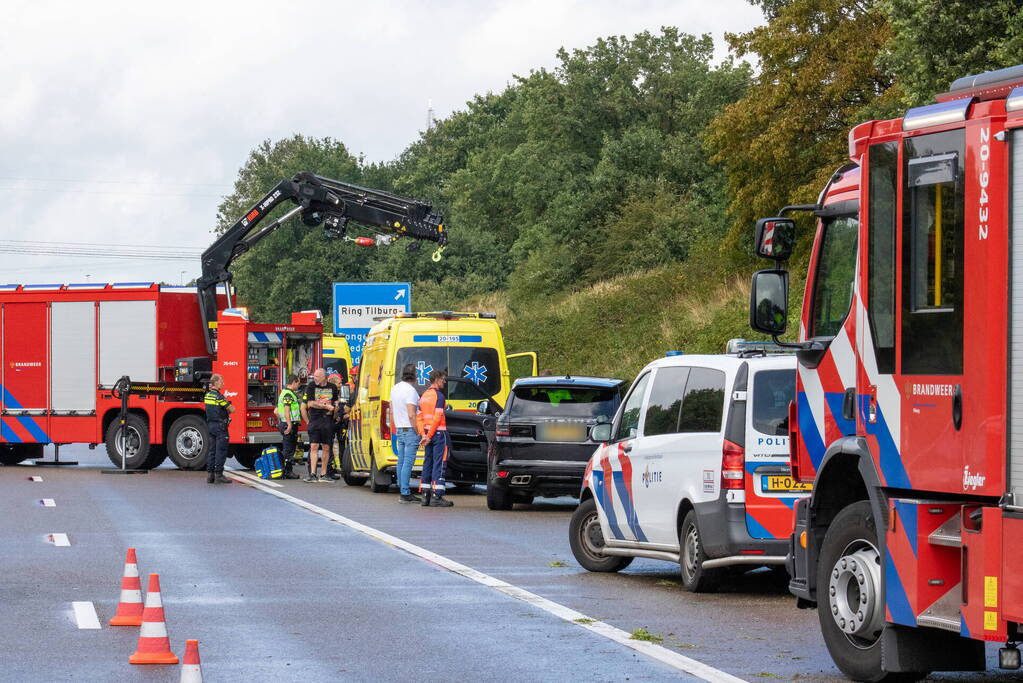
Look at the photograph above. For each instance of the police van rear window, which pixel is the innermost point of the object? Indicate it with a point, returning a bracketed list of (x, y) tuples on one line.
[(557, 401), (772, 392)]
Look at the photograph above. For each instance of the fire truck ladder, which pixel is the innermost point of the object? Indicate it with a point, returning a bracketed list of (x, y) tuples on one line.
[(320, 201)]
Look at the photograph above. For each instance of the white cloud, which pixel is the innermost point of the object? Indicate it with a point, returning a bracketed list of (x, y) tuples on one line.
[(123, 122)]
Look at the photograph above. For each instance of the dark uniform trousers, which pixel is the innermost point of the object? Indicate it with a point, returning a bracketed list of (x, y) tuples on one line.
[(217, 417)]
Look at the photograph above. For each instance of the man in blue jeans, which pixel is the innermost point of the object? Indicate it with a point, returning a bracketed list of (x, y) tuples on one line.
[(404, 404)]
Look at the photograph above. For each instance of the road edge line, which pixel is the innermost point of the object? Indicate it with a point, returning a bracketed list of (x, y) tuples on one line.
[(85, 615), (652, 650)]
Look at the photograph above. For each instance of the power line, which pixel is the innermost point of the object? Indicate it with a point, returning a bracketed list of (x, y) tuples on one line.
[(119, 245), (111, 182)]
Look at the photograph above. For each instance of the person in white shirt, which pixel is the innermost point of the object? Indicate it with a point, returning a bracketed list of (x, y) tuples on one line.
[(404, 404)]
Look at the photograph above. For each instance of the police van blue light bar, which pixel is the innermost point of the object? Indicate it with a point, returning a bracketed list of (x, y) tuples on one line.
[(936, 114), (743, 346)]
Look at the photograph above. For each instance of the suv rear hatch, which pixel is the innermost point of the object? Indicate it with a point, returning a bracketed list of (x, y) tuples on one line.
[(552, 422)]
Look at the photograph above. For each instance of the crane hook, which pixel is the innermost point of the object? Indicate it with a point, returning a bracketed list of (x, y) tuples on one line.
[(437, 254)]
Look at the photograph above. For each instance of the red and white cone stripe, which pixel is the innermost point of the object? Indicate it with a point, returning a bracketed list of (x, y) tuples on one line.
[(130, 607), (154, 645), (191, 670)]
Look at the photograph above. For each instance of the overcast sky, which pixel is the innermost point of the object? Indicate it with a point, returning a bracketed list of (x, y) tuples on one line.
[(125, 123)]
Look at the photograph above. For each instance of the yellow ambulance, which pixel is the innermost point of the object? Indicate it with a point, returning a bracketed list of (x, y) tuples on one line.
[(337, 355), (470, 348)]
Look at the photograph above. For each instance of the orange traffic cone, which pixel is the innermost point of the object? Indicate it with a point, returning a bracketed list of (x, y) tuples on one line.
[(129, 609), (154, 645), (191, 671)]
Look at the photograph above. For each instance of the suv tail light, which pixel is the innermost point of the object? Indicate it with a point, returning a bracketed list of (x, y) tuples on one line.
[(503, 431), (385, 427), (733, 466)]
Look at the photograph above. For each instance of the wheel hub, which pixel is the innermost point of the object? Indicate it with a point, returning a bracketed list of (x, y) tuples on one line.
[(593, 537), (128, 442), (691, 552), (854, 593), (189, 443)]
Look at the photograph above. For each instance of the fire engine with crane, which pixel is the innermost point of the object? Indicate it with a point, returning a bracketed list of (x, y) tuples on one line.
[(908, 414), (64, 348)]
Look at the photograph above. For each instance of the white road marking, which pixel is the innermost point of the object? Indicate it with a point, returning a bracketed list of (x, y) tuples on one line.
[(658, 652), (249, 477), (35, 477), (48, 503), (59, 540), (85, 615)]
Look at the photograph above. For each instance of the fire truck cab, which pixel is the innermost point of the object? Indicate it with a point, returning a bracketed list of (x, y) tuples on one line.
[(908, 414)]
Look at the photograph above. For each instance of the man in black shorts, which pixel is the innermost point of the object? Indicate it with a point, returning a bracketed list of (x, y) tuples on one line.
[(321, 398)]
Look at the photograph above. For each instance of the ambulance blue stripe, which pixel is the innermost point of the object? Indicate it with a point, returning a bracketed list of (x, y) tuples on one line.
[(895, 594), (813, 439)]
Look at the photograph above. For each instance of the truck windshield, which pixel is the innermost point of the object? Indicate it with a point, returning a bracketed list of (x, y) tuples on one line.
[(477, 364), (772, 392), (560, 401)]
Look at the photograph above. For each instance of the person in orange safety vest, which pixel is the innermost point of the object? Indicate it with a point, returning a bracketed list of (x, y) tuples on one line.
[(436, 442)]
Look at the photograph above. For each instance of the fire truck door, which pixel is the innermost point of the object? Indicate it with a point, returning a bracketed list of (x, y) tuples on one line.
[(930, 370), (24, 373)]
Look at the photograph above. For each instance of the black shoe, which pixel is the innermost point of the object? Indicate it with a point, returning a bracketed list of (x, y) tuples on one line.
[(407, 498), (441, 502), (210, 479), (426, 499), (415, 498), (335, 476), (291, 475), (221, 479)]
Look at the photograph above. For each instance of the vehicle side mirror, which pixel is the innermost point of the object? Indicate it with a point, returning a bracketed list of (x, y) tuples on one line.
[(775, 238), (769, 302), (601, 433), (482, 407)]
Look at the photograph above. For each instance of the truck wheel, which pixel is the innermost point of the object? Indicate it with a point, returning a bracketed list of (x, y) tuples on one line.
[(157, 454), (188, 442), (587, 541), (498, 498), (850, 604), (347, 473), (695, 578), (136, 451), (246, 455)]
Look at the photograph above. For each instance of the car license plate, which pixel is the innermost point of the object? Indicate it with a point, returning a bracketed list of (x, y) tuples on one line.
[(561, 432), (782, 482)]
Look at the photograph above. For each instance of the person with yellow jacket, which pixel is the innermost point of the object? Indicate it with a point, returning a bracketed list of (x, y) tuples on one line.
[(435, 441)]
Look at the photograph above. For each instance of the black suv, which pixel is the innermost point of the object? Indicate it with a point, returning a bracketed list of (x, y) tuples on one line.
[(543, 439)]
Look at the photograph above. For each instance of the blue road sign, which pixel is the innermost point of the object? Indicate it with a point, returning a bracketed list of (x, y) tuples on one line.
[(358, 305)]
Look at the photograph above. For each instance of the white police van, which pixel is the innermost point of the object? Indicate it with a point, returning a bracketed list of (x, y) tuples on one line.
[(694, 468)]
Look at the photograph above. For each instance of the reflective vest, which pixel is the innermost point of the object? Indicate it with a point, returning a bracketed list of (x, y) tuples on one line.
[(288, 406), (216, 407), (430, 417)]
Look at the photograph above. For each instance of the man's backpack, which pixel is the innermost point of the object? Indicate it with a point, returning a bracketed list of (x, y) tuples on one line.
[(268, 464)]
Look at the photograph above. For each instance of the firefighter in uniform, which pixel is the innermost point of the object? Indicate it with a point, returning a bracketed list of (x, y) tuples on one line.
[(435, 442), (218, 415)]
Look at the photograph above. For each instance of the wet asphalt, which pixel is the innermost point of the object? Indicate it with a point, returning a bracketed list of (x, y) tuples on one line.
[(276, 592)]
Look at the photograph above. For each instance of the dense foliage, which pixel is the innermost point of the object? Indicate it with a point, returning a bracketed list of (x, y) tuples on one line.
[(604, 207)]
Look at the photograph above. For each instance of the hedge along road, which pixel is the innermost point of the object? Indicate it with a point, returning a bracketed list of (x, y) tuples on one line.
[(267, 585)]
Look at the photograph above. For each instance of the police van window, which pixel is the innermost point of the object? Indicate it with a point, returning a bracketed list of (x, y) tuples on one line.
[(665, 403), (628, 425), (773, 390), (836, 270), (703, 405), (476, 364), (884, 166), (932, 321)]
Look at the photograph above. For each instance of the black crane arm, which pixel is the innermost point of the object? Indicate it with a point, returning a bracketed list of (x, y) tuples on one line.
[(319, 201)]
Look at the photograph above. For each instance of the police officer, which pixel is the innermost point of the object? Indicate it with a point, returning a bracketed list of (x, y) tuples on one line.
[(218, 415)]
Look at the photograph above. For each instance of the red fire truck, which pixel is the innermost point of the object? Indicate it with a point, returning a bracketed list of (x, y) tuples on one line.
[(64, 348), (908, 417)]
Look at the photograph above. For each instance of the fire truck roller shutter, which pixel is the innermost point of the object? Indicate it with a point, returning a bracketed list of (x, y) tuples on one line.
[(1015, 483), (73, 356), (127, 341)]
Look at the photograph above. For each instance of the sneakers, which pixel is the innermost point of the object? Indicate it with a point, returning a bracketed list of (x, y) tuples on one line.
[(311, 478), (324, 479), (291, 475), (441, 502)]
